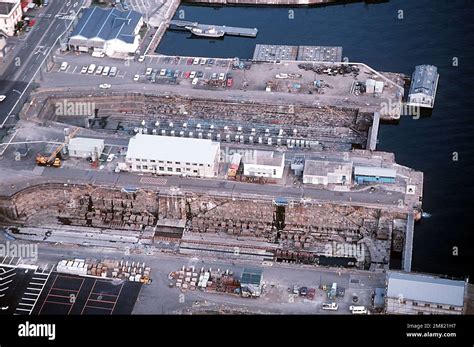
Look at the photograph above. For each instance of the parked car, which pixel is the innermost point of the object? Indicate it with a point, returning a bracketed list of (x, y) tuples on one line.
[(176, 74), (64, 66), (187, 74), (2, 97), (195, 81), (169, 73), (106, 71), (210, 62), (141, 58), (192, 75), (136, 78), (311, 293), (84, 69), (162, 72), (203, 61), (196, 61), (230, 82), (148, 71), (91, 69), (303, 291), (113, 71), (221, 76), (295, 289), (110, 157), (104, 86), (199, 74), (189, 61), (99, 70)]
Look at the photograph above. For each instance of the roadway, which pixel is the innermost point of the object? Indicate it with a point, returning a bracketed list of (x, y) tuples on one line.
[(51, 22), (379, 198)]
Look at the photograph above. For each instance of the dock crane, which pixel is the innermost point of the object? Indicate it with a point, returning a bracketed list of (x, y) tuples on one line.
[(53, 160)]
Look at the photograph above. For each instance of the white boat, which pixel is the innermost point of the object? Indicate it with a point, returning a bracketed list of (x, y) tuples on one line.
[(211, 32)]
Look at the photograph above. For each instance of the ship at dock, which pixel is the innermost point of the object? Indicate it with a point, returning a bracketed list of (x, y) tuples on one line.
[(210, 32)]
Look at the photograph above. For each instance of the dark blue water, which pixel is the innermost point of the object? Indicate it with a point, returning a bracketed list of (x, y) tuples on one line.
[(431, 32)]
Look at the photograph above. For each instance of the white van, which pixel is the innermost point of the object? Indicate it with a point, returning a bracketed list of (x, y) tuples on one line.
[(106, 71), (98, 54), (331, 306), (358, 309)]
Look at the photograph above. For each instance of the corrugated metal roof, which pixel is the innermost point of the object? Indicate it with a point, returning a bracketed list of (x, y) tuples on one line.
[(425, 288), (175, 149), (374, 171), (251, 276), (85, 143), (264, 158), (424, 80), (107, 24)]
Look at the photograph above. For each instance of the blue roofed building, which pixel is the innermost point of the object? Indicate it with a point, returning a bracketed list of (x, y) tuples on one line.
[(109, 31), (409, 293)]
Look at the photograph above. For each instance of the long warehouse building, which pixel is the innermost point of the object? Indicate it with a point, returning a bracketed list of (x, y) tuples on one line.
[(167, 155)]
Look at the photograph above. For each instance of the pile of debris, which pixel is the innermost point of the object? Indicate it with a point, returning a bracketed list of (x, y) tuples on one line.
[(210, 280), (330, 70)]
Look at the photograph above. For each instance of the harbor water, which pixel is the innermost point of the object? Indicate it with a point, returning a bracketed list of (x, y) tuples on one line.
[(393, 36)]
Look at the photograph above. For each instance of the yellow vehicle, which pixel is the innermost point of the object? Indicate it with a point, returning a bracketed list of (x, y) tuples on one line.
[(53, 160), (47, 161)]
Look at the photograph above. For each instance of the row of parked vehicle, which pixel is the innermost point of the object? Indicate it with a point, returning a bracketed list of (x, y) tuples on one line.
[(193, 75), (93, 68)]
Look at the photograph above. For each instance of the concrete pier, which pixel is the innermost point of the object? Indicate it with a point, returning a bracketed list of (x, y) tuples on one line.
[(408, 248)]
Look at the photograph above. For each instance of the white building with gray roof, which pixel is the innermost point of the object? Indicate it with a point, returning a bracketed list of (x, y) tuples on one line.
[(168, 155), (111, 31), (409, 293), (327, 172), (258, 163), (424, 83)]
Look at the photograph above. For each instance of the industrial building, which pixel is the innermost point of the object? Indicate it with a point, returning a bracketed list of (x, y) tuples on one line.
[(422, 294), (10, 15), (167, 155), (371, 174), (327, 172), (263, 164), (83, 147), (302, 53), (109, 31), (424, 83)]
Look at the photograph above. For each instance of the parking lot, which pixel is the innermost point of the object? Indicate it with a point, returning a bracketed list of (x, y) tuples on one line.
[(150, 69), (74, 295), (20, 287)]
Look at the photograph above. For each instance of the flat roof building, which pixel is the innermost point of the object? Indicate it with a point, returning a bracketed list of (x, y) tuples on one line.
[(10, 15), (423, 294), (372, 174), (167, 155), (259, 163), (327, 172), (109, 31), (83, 147), (424, 83)]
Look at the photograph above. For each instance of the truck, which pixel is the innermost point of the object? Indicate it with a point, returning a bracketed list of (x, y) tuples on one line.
[(234, 165)]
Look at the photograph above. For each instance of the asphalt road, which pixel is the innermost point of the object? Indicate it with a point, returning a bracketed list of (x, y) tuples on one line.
[(221, 187), (51, 22)]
